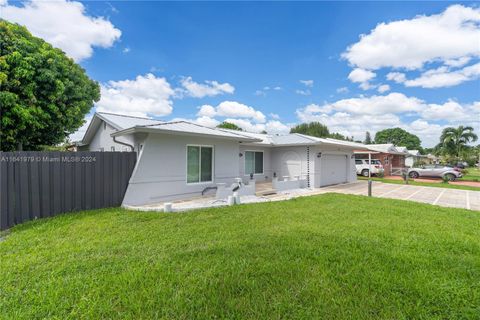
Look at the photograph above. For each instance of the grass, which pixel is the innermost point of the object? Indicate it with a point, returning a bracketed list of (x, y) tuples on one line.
[(473, 174), (330, 256), (425, 184)]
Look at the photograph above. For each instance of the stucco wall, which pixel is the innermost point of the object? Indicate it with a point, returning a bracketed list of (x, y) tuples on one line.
[(102, 139), (281, 155), (160, 173)]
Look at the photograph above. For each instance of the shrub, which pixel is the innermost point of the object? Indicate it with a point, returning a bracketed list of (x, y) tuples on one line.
[(445, 179)]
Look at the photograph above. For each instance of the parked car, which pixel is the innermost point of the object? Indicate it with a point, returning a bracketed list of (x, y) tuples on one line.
[(435, 171), (363, 166), (460, 165)]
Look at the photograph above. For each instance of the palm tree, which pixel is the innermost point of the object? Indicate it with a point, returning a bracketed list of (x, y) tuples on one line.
[(454, 140)]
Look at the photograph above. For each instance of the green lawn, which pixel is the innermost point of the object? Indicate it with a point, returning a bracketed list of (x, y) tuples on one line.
[(425, 184), (473, 174), (324, 257)]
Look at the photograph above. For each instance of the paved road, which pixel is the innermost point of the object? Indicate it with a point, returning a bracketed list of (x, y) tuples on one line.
[(437, 196)]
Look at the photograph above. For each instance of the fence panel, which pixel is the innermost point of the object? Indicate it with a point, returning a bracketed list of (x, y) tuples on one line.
[(43, 184)]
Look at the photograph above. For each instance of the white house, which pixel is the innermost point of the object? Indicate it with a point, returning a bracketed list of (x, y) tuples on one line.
[(178, 160)]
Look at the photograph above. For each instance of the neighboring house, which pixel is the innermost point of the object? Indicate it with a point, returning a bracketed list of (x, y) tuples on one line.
[(178, 160), (391, 157), (432, 159), (414, 156)]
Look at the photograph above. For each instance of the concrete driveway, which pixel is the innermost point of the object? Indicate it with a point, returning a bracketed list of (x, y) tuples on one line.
[(437, 196)]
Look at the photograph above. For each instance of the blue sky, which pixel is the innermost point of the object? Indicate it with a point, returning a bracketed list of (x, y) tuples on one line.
[(269, 65)]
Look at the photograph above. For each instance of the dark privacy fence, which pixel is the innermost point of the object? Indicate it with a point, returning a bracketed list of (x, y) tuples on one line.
[(44, 184)]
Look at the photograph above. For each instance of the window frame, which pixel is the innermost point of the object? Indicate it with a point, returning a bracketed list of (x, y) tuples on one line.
[(245, 162), (199, 164)]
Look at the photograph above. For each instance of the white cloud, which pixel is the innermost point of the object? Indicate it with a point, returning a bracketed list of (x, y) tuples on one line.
[(373, 105), (383, 88), (443, 77), (203, 121), (274, 116), (64, 24), (207, 122), (303, 92), (354, 116), (145, 95), (208, 89), (272, 126), (275, 126), (460, 62), (240, 114), (232, 109), (398, 77), (236, 109), (307, 83), (453, 111), (207, 111), (410, 44), (362, 76), (126, 50), (428, 132), (353, 124), (263, 92), (78, 135), (342, 90)]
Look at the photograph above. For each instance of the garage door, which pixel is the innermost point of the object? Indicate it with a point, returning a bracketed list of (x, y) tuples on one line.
[(333, 169)]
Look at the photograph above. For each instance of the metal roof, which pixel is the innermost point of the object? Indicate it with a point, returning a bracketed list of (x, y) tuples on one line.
[(386, 148), (117, 121), (128, 124), (120, 121), (263, 139), (186, 128), (297, 139)]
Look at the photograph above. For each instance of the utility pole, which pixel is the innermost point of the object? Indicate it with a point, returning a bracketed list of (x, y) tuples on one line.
[(369, 174)]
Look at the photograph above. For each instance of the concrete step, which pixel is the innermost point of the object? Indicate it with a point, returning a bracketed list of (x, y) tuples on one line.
[(265, 192)]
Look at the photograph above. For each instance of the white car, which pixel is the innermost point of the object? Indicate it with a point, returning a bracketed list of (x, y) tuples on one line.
[(363, 167)]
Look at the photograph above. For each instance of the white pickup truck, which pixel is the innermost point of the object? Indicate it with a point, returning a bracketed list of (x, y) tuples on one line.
[(363, 167)]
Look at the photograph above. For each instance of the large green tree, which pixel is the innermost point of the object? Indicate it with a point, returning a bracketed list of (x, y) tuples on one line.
[(399, 137), (44, 95), (368, 138), (454, 141), (315, 129), (229, 125)]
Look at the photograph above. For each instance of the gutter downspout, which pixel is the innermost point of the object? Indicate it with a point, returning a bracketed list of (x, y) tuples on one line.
[(123, 143)]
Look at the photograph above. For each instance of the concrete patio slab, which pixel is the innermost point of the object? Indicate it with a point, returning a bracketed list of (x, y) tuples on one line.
[(444, 197), (436, 196)]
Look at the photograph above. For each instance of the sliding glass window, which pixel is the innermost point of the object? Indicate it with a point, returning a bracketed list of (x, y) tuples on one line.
[(199, 164), (253, 162)]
